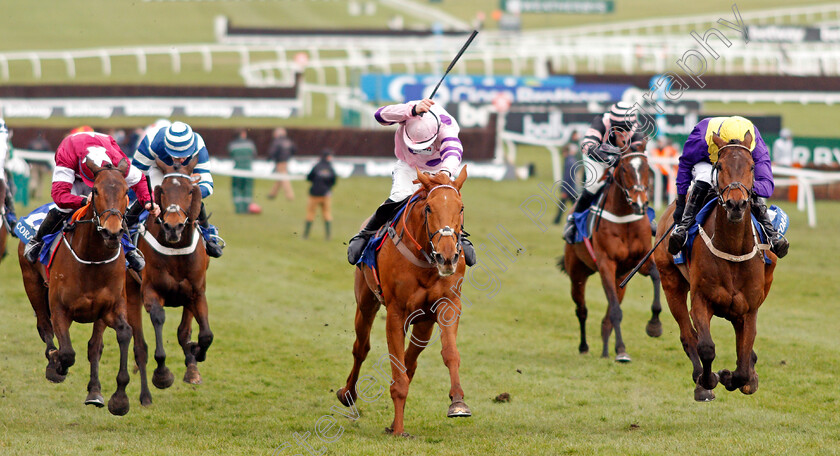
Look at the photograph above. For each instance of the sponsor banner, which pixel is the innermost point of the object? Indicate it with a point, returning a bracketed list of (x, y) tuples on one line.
[(558, 6), (581, 93), (793, 34), (379, 88), (147, 107)]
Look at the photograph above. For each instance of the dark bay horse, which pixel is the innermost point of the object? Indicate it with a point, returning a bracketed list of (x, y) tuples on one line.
[(620, 241), (86, 285), (727, 276), (174, 276), (418, 283)]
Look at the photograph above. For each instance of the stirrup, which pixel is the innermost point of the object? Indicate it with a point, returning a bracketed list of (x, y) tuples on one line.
[(135, 259), (33, 247), (216, 239)]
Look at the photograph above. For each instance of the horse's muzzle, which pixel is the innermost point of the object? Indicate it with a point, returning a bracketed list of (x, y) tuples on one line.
[(112, 239), (735, 210), (638, 209), (173, 233)]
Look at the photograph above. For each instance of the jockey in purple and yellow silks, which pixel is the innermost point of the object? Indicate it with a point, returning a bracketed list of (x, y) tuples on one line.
[(696, 163)]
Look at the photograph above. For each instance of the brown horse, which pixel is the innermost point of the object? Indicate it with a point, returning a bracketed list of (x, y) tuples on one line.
[(86, 285), (620, 241), (174, 276), (727, 276), (419, 284)]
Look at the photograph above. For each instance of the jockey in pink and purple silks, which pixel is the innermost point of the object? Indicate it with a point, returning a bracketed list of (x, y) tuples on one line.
[(426, 139), (696, 165)]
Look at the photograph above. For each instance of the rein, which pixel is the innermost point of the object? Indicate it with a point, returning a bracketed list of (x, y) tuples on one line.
[(638, 187), (175, 207), (723, 193), (96, 220), (428, 261), (152, 240)]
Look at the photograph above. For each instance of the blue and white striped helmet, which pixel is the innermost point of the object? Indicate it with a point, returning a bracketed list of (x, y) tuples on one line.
[(179, 140)]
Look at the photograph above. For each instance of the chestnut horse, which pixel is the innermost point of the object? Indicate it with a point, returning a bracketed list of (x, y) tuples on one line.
[(86, 285), (620, 240), (419, 282), (174, 276), (727, 276)]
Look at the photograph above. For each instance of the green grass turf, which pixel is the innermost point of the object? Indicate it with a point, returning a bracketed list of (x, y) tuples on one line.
[(282, 312)]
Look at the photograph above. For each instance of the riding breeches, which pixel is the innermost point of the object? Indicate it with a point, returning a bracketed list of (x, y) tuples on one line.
[(593, 180), (702, 172), (402, 181)]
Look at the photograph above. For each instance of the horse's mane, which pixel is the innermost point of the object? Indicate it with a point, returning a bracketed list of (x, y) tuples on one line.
[(440, 179)]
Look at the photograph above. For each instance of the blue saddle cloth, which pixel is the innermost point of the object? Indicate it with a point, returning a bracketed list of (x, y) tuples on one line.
[(28, 226), (585, 221), (780, 219), (369, 254)]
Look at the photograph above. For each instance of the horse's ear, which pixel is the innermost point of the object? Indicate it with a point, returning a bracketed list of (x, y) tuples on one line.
[(640, 146), (462, 176), (748, 139), (719, 142), (163, 166), (158, 192), (92, 166), (195, 205), (123, 166), (188, 169), (423, 178)]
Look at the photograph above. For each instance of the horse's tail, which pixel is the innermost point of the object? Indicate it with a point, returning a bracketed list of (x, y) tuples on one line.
[(561, 264)]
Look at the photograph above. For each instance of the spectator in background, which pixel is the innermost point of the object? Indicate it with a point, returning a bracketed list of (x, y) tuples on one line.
[(570, 181), (322, 177), (666, 150), (242, 150), (38, 169), (281, 150), (783, 149)]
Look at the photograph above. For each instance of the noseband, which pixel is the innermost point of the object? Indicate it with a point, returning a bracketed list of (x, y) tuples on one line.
[(99, 217), (723, 193), (446, 231)]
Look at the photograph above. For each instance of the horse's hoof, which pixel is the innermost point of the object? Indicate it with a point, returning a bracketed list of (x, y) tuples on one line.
[(725, 378), (622, 358), (583, 349), (654, 328), (118, 405), (703, 395), (53, 376), (95, 399), (390, 431), (712, 384), (145, 399), (752, 386), (163, 378), (192, 376), (458, 409), (342, 397)]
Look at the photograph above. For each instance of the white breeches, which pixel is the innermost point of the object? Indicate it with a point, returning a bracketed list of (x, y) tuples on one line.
[(402, 181), (594, 172)]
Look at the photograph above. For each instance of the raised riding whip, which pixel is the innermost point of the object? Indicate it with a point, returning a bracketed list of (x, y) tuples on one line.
[(639, 266)]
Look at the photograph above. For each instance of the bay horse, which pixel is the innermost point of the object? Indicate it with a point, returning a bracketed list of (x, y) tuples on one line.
[(727, 276), (174, 276), (86, 284), (419, 283), (620, 240)]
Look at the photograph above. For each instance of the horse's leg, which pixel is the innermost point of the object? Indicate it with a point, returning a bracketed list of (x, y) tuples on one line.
[(118, 404), (141, 349), (205, 335), (452, 359), (578, 273), (745, 330), (184, 334), (94, 396), (65, 356), (39, 299), (701, 315), (420, 335), (654, 326), (366, 308), (614, 314), (162, 377), (399, 387)]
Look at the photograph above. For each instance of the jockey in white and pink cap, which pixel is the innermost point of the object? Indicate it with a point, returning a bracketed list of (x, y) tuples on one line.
[(426, 139)]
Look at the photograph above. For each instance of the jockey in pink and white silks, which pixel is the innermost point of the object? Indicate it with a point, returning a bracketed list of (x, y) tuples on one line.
[(7, 199), (427, 139)]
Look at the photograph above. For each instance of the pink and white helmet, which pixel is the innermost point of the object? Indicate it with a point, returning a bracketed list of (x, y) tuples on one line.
[(421, 131)]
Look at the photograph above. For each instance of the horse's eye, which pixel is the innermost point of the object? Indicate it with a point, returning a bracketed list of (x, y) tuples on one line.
[(428, 210)]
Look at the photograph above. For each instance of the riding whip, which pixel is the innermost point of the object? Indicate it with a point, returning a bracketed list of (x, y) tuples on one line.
[(455, 60), (639, 266)]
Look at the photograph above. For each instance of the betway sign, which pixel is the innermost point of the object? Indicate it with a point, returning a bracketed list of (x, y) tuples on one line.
[(383, 88)]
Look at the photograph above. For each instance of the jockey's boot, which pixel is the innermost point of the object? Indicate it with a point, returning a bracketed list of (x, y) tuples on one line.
[(584, 201), (132, 215), (11, 218), (358, 242), (778, 243), (213, 243), (51, 223), (693, 204), (469, 250), (135, 260)]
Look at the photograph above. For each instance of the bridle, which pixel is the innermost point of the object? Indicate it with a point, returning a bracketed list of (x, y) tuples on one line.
[(175, 208), (722, 193), (98, 217), (637, 187), (446, 231)]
